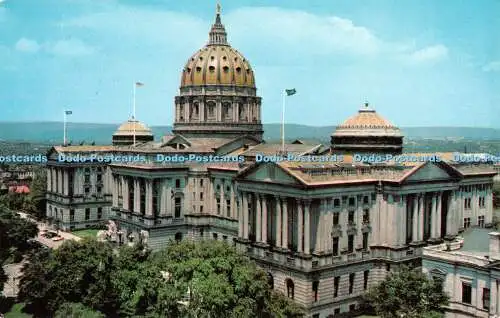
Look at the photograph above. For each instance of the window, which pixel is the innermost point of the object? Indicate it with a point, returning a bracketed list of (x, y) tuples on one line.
[(71, 215), (466, 293), (177, 183), (351, 282), (365, 241), (481, 202), (290, 288), (480, 221), (99, 190), (201, 196), (466, 223), (99, 177), (87, 190), (388, 267), (178, 236), (352, 307), (99, 213), (335, 246), (467, 203), (201, 208), (218, 206), (177, 211), (201, 182), (315, 286), (351, 201), (438, 281), (486, 298), (350, 243), (350, 218), (228, 208), (335, 218), (336, 282), (336, 311), (366, 274), (87, 178), (215, 236), (87, 214), (365, 199), (366, 216), (315, 316), (336, 203), (224, 238)]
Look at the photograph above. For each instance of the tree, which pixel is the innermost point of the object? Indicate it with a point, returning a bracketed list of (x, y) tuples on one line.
[(77, 310), (35, 202), (75, 272), (407, 293)]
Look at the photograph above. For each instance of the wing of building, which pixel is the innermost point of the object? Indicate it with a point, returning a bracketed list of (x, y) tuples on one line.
[(326, 223)]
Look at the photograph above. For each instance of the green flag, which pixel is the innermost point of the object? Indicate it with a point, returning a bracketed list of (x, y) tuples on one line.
[(290, 92)]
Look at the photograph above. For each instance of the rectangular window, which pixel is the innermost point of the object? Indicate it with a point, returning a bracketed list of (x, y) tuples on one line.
[(218, 206), (336, 282), (99, 213), (366, 275), (71, 215), (335, 246), (466, 293), (87, 190), (486, 298), (201, 208), (228, 208), (481, 202), (388, 267), (87, 178), (365, 199), (215, 236), (315, 286), (336, 203), (201, 196), (224, 238), (87, 214), (335, 218), (352, 307), (466, 223), (350, 243), (350, 218), (177, 183), (351, 201), (177, 211), (351, 283), (365, 241), (201, 182), (99, 190), (480, 221), (366, 216), (336, 311)]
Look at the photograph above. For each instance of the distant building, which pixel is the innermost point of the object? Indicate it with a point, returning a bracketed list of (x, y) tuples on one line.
[(469, 275), (324, 231)]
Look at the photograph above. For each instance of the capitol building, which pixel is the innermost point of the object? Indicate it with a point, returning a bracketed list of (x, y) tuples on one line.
[(323, 231)]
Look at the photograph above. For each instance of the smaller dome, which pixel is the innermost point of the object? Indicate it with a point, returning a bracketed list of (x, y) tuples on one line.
[(367, 122), (131, 132), (132, 126)]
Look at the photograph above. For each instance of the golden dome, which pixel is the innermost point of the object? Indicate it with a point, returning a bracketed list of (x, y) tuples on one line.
[(217, 63), (127, 129), (367, 122)]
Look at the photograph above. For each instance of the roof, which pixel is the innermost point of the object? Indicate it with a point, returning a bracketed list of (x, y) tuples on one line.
[(273, 149)]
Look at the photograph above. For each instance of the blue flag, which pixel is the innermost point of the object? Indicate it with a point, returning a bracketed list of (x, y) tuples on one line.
[(290, 92)]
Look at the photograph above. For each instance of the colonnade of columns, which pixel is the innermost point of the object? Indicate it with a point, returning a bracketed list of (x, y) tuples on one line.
[(222, 111)]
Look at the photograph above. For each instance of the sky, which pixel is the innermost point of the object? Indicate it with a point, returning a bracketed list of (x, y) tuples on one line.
[(417, 62)]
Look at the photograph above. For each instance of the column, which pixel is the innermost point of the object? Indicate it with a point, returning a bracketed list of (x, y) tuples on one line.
[(163, 200), (300, 226), (59, 181), (245, 215), (376, 220), (53, 180), (202, 111), (137, 196), (115, 191), (49, 179), (168, 204), (240, 215), (307, 227), (434, 216), (125, 193), (284, 222), (233, 204), (488, 218), (223, 208), (278, 222), (264, 219), (149, 197), (319, 228), (402, 220), (498, 296), (188, 196), (414, 234), (258, 220), (439, 214), (383, 220), (421, 217)]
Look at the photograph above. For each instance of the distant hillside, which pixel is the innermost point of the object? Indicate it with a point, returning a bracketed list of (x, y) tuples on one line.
[(52, 132)]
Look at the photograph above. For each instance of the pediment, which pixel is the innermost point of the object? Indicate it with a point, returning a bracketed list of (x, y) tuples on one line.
[(178, 139), (237, 143), (431, 171), (269, 172)]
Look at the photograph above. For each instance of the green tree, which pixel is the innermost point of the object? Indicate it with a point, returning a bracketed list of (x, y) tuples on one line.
[(77, 310), (35, 202), (407, 293)]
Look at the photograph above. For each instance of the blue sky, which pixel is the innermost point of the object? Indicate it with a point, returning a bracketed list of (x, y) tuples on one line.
[(418, 63)]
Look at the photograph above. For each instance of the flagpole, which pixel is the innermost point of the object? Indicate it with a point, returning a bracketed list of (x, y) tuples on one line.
[(133, 110), (283, 124), (64, 138)]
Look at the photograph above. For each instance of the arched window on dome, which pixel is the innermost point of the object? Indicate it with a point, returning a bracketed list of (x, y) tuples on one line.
[(195, 111), (242, 112), (227, 111), (210, 110)]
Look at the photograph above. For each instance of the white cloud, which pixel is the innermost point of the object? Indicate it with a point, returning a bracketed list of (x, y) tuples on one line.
[(27, 45), (429, 54), (71, 47), (492, 67)]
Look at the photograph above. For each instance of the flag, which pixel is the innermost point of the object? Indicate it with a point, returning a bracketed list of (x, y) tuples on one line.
[(68, 112), (139, 84), (290, 92)]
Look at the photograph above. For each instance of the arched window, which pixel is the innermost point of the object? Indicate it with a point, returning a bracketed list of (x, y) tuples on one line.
[(290, 288), (270, 280), (178, 236)]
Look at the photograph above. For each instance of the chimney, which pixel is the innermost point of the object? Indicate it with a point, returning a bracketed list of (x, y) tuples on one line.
[(494, 244)]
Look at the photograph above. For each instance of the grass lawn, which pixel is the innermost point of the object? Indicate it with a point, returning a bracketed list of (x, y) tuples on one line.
[(85, 233), (16, 312)]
